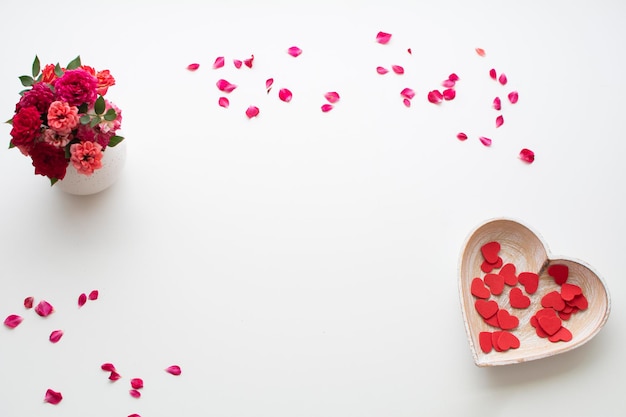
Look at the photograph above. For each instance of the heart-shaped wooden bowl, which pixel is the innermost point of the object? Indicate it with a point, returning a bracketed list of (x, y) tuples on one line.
[(527, 251)]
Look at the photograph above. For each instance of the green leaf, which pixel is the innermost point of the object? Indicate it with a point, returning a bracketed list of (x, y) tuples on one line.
[(36, 66), (58, 71), (53, 181), (11, 145), (94, 122), (110, 115), (115, 140), (75, 63), (27, 80), (100, 105), (9, 122), (85, 119)]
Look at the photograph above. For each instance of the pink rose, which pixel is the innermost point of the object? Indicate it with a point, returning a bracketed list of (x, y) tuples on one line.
[(105, 80), (62, 117), (76, 87), (86, 157)]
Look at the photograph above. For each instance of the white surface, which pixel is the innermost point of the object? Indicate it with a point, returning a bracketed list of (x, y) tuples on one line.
[(301, 263)]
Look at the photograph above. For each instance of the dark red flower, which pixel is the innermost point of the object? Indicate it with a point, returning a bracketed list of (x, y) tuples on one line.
[(49, 160), (40, 96), (26, 126)]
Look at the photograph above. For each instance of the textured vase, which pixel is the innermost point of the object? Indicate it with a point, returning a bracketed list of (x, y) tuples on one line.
[(112, 164)]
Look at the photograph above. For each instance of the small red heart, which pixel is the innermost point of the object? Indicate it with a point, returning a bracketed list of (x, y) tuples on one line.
[(559, 272), (569, 291), (508, 273), (495, 283), (493, 321), (495, 337), (580, 302), (506, 320), (487, 267), (517, 299), (485, 341), (562, 335), (554, 300), (479, 290), (550, 324), (529, 280), (508, 340), (490, 251), (486, 308)]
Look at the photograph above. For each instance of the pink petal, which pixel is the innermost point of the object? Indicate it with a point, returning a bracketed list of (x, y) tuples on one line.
[(332, 96), (407, 102), (449, 94), (225, 86), (94, 295), (252, 111), (223, 102), (480, 52), (448, 83), (397, 69), (134, 415), (134, 393), (453, 77), (408, 93), (485, 141), (237, 63), (193, 67), (114, 376), (285, 95), (174, 370), (82, 299), (109, 367), (327, 107), (136, 383), (435, 96), (527, 155), (44, 308), (461, 136), (497, 103), (502, 79), (513, 97), (294, 51), (56, 335), (28, 302), (13, 320), (248, 62), (499, 121), (268, 84), (492, 74), (53, 397), (382, 70), (383, 37), (219, 62)]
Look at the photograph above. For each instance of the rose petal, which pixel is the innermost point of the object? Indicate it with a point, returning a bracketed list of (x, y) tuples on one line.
[(219, 62), (492, 74), (285, 95), (527, 155), (53, 397), (28, 302), (114, 376), (332, 96), (453, 77), (410, 51), (480, 52), (327, 107), (225, 86), (107, 367), (382, 70), (461, 136), (407, 102), (44, 308), (134, 393), (408, 93), (448, 83), (56, 335), (383, 37), (398, 69), (485, 141), (82, 299), (449, 94), (435, 96), (134, 415), (223, 102), (174, 370), (497, 103), (513, 97), (268, 84), (237, 63), (502, 79), (93, 295), (136, 383), (248, 62), (499, 121), (193, 67), (12, 321), (252, 111), (294, 51)]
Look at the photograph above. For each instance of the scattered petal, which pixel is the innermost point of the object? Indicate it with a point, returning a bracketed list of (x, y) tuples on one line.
[(480, 52), (109, 367), (408, 93), (382, 70), (134, 393), (461, 136), (174, 370), (248, 62), (94, 295), (114, 376), (285, 95), (13, 320), (268, 84), (499, 121), (497, 103), (502, 79), (485, 141), (134, 415), (383, 37), (252, 111), (225, 86), (398, 69), (53, 397), (407, 102), (453, 77), (435, 96), (493, 74), (409, 51), (44, 308), (449, 94), (82, 299), (332, 96), (294, 51), (223, 102), (136, 383), (513, 97), (219, 62), (327, 107), (448, 83), (28, 302), (56, 335), (237, 63), (527, 155), (193, 67)]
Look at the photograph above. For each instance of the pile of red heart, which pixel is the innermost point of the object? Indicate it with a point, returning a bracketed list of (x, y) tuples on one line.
[(557, 306)]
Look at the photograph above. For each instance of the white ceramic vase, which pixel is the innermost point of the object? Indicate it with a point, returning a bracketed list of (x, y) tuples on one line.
[(113, 162)]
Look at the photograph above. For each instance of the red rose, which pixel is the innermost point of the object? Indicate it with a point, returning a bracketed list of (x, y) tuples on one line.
[(26, 126), (49, 160)]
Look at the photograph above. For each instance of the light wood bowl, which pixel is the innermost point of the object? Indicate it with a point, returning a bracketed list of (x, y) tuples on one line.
[(527, 251)]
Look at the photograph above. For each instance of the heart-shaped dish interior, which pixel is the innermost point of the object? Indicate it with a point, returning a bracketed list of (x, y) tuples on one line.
[(522, 247)]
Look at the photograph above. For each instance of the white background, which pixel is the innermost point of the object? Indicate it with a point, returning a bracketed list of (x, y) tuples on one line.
[(304, 264)]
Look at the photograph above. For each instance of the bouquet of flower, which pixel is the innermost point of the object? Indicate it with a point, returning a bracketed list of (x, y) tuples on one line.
[(63, 118)]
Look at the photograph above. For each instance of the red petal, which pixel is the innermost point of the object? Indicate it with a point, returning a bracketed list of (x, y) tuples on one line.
[(193, 67), (94, 295), (252, 111), (174, 370), (13, 320), (225, 86), (492, 74), (497, 103), (448, 83), (294, 51), (28, 302), (134, 393), (407, 93), (237, 63), (407, 102), (114, 376), (327, 107), (480, 51), (56, 335), (435, 96), (449, 94), (285, 95), (53, 397), (82, 299), (382, 70), (223, 102), (268, 84), (107, 367), (409, 51), (513, 97), (485, 141), (461, 136), (453, 77), (397, 69), (502, 79), (499, 121), (219, 62), (383, 37), (527, 155), (332, 96), (248, 62), (136, 383), (44, 308)]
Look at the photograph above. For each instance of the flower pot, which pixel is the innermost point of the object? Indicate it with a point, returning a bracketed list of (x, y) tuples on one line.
[(112, 164)]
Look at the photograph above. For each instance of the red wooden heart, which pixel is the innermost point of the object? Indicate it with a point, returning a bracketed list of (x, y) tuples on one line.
[(479, 290), (517, 299), (508, 273), (495, 282), (529, 280)]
